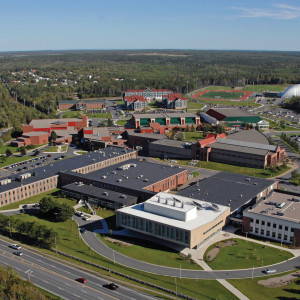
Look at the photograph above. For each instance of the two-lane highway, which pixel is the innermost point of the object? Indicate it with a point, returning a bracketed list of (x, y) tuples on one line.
[(60, 279)]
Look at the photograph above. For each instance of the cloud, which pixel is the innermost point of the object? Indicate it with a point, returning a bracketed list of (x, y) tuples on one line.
[(278, 12)]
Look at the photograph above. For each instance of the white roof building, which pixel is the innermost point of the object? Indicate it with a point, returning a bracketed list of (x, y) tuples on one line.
[(179, 219)]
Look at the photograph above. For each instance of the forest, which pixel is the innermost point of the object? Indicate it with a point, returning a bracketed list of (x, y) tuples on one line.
[(33, 82)]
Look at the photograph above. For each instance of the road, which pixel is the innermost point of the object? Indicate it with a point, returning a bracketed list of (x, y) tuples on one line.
[(91, 239), (60, 279)]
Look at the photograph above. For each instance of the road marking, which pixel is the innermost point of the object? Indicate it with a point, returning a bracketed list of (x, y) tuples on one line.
[(45, 281), (78, 296), (60, 288), (67, 284), (84, 291)]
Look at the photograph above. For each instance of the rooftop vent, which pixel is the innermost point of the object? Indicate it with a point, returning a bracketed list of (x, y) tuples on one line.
[(119, 180), (247, 179), (104, 176), (105, 193), (123, 196)]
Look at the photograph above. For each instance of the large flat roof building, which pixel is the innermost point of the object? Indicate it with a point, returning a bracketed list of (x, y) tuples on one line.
[(233, 190), (277, 217), (174, 218)]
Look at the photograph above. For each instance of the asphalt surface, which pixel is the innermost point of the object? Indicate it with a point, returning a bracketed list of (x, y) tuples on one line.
[(91, 239), (60, 279)]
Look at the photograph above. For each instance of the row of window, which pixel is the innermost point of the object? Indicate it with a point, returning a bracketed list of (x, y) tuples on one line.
[(210, 229), (275, 225), (273, 234), (154, 228)]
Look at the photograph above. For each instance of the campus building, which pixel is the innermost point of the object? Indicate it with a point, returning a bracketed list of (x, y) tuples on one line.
[(174, 218), (232, 190), (135, 102), (81, 104), (37, 131), (45, 178), (234, 117), (169, 119), (134, 177), (174, 101), (149, 94), (275, 217)]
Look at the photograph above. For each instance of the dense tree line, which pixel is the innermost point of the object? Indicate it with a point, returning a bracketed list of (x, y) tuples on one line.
[(290, 141), (40, 79), (293, 104), (32, 232), (13, 287)]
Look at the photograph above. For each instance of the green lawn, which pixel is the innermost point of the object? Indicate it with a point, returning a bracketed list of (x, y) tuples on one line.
[(253, 290), (6, 161), (266, 88), (193, 136), (81, 152), (119, 102), (194, 105), (216, 87), (64, 148), (84, 209), (72, 114), (12, 149), (151, 253), (52, 149), (100, 115), (239, 170), (122, 122), (246, 254), (222, 95), (70, 242), (109, 216), (251, 103)]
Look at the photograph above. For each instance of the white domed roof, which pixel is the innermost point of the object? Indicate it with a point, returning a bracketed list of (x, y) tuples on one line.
[(291, 91)]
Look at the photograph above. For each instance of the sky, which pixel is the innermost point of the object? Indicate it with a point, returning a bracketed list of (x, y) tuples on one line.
[(150, 24)]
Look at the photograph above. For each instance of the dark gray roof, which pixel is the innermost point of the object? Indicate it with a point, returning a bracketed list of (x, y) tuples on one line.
[(247, 144), (84, 101), (141, 175), (223, 186), (165, 115), (99, 193), (170, 142), (155, 136), (236, 148), (64, 165), (233, 112), (251, 135)]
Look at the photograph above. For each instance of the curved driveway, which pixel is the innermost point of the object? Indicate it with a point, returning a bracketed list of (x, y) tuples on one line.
[(91, 239)]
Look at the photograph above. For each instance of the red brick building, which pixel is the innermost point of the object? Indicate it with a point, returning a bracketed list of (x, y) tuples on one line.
[(81, 104)]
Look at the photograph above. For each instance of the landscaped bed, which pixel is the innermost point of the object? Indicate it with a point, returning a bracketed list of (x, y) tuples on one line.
[(242, 254)]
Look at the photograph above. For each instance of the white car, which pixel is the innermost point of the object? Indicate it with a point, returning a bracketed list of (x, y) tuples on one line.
[(15, 246), (85, 218), (270, 271)]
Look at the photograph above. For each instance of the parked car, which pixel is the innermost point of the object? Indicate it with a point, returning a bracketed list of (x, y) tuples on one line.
[(85, 218), (79, 213), (15, 246), (82, 230), (82, 280), (112, 286)]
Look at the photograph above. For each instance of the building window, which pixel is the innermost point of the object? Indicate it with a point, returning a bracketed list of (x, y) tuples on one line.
[(257, 221), (286, 228), (274, 225), (280, 227), (262, 222), (268, 224), (273, 234)]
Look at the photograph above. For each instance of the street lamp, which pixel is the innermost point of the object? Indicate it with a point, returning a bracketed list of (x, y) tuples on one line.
[(114, 256), (252, 271), (180, 272)]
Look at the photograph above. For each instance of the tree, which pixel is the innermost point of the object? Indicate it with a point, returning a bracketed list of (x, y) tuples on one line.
[(63, 212), (46, 206), (192, 128), (8, 152), (282, 124), (110, 123), (23, 150), (1, 142), (36, 152), (52, 136)]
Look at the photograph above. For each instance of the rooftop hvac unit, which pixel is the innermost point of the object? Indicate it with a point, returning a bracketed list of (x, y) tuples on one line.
[(104, 176), (123, 196), (146, 180), (280, 213), (119, 180), (105, 193), (296, 199)]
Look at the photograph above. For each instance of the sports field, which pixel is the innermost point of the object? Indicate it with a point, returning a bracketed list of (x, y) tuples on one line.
[(223, 95)]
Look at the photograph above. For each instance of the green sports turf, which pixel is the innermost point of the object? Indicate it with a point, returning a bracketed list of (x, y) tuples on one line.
[(222, 95)]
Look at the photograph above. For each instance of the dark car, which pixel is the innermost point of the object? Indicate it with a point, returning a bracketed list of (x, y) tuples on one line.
[(82, 230), (111, 286), (18, 253), (81, 280)]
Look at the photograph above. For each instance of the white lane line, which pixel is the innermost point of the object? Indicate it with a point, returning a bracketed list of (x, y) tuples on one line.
[(45, 281), (76, 296), (67, 284), (60, 288), (84, 291)]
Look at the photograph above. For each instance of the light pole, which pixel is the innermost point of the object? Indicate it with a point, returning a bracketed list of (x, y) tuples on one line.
[(252, 271), (180, 272), (114, 256), (176, 287), (187, 86)]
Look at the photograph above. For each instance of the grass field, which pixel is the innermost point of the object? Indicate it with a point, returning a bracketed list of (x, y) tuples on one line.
[(216, 87), (52, 149), (194, 105), (122, 122), (246, 254), (100, 115), (253, 290), (251, 103), (69, 241), (266, 88), (6, 161), (222, 95), (151, 253), (193, 136), (72, 114)]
